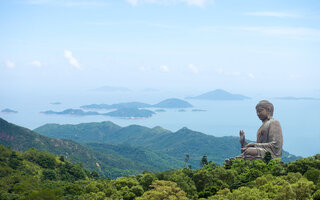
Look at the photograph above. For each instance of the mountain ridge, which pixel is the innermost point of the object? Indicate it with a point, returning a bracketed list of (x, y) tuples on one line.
[(177, 144), (219, 95)]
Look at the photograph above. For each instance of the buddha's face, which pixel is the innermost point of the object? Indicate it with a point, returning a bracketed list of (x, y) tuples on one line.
[(262, 113)]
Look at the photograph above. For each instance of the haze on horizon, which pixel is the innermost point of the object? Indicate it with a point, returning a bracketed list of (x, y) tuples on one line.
[(243, 46)]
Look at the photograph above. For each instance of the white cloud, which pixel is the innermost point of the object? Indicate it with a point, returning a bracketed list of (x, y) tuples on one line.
[(273, 14), (36, 63), (72, 61), (164, 68), (199, 3), (251, 75), (193, 69), (9, 64)]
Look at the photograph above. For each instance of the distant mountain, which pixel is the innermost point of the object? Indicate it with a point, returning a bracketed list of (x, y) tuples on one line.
[(55, 103), (297, 98), (113, 162), (160, 110), (120, 112), (71, 112), (175, 144), (7, 110), (168, 103), (219, 95), (131, 113), (117, 106), (173, 103), (198, 110)]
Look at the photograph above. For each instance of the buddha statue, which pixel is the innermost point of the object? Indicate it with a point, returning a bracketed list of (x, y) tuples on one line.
[(269, 135)]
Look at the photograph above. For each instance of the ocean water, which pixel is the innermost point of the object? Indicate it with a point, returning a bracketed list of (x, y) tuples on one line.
[(299, 118)]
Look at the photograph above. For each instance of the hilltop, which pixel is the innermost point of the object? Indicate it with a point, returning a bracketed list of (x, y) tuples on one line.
[(176, 144), (220, 95), (110, 163)]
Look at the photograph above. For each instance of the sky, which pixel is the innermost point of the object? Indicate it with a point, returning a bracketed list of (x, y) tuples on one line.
[(239, 45)]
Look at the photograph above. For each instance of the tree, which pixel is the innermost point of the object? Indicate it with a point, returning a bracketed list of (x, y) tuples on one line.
[(203, 161), (164, 190), (186, 159), (14, 160), (267, 157)]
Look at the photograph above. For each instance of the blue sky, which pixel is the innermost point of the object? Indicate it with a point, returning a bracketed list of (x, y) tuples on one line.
[(237, 45)]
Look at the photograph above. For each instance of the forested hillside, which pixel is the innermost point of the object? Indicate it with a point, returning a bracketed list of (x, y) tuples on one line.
[(113, 162), (36, 175), (175, 144)]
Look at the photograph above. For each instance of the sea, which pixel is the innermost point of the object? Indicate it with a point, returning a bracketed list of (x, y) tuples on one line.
[(299, 119)]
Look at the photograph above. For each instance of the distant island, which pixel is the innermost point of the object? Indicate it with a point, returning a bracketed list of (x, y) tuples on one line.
[(126, 110), (173, 103), (121, 112), (55, 103), (219, 95), (167, 103), (198, 110), (7, 110), (131, 113), (77, 112), (298, 98), (117, 106), (160, 110)]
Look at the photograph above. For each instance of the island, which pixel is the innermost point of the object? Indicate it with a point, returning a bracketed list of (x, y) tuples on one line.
[(167, 103), (77, 112), (131, 113), (198, 110), (173, 103), (7, 110), (219, 95), (121, 112), (160, 110), (55, 103), (117, 106)]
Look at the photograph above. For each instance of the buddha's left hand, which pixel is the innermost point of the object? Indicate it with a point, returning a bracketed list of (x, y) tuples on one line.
[(250, 145)]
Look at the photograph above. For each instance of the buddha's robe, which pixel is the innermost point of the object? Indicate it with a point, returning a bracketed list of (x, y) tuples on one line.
[(269, 138)]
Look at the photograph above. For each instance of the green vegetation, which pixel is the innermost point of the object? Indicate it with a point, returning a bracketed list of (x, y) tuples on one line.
[(39, 175), (174, 144), (113, 162)]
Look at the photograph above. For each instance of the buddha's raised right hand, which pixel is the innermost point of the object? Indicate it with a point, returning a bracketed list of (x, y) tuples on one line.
[(242, 139)]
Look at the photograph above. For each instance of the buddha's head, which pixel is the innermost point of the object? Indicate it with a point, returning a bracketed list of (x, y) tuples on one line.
[(264, 110)]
